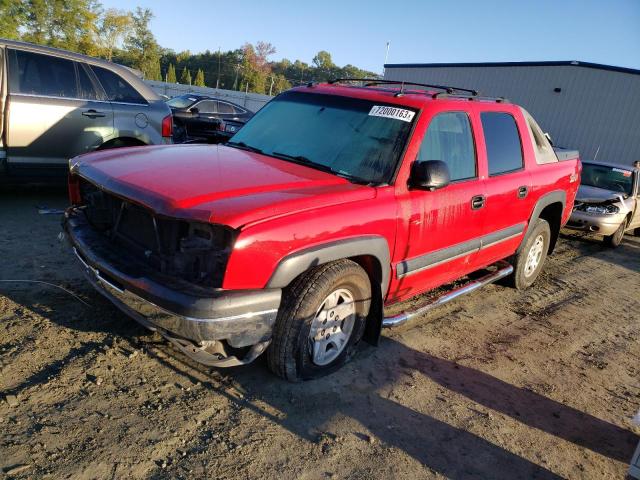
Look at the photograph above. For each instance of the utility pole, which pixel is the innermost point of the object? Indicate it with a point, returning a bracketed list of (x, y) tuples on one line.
[(218, 80), (235, 82)]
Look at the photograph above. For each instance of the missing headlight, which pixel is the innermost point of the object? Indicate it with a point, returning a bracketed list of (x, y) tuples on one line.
[(603, 208)]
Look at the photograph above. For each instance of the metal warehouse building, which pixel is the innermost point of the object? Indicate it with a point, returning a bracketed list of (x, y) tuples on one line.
[(594, 108)]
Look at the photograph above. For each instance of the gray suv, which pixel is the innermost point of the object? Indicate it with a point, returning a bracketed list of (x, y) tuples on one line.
[(55, 105)]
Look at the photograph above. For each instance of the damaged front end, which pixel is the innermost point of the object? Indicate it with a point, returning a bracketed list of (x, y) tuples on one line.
[(167, 274), (601, 216)]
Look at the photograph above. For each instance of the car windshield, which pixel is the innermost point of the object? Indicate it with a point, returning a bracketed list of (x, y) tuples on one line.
[(183, 101), (616, 179), (358, 139)]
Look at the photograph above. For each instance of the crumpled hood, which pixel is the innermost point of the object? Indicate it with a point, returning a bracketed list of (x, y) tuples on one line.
[(214, 183), (590, 194)]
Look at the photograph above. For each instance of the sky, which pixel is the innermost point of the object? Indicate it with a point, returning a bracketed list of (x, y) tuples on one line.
[(427, 31)]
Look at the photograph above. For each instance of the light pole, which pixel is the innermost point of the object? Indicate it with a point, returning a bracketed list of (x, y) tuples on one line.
[(386, 57), (218, 80)]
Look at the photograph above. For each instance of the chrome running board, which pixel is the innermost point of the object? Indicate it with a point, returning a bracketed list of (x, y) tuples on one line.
[(503, 269)]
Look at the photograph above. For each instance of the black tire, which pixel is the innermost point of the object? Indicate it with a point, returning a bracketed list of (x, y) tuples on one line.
[(614, 240), (289, 355), (521, 277), (636, 232)]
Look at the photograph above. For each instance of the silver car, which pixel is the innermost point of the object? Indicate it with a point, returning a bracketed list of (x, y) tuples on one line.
[(608, 201), (55, 105)]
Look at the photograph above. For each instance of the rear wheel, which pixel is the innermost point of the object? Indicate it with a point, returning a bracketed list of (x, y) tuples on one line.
[(320, 322), (529, 261), (616, 239)]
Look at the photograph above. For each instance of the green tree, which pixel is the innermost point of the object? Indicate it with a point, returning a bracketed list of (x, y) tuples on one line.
[(115, 25), (171, 74), (185, 76), (199, 81), (141, 46), (12, 17), (280, 85), (255, 66), (68, 24), (323, 60)]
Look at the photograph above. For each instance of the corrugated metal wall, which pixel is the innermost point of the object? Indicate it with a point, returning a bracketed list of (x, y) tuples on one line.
[(595, 109), (253, 101)]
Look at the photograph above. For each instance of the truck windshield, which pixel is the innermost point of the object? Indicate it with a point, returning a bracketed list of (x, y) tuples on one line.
[(358, 139), (615, 179)]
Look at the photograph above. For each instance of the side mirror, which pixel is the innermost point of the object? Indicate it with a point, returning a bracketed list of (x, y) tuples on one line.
[(429, 175), (194, 110)]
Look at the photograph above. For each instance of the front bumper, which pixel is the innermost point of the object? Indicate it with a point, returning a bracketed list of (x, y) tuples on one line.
[(600, 224), (175, 308)]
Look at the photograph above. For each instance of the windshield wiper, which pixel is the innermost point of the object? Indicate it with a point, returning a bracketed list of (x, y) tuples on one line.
[(244, 146), (302, 160)]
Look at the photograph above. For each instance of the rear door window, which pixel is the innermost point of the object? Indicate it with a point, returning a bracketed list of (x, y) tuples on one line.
[(36, 74), (449, 139), (207, 106), (502, 139), (116, 88), (224, 107)]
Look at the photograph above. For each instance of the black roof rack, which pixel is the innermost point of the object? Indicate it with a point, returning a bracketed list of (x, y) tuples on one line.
[(470, 97), (374, 81), (447, 91)]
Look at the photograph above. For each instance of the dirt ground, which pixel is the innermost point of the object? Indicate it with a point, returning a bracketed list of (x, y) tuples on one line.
[(500, 384)]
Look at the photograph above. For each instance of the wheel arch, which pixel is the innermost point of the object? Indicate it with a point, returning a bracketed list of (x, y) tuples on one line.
[(550, 207), (370, 252), (122, 142)]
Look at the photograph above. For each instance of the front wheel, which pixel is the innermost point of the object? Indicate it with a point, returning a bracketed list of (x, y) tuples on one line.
[(320, 322), (529, 261), (616, 238)]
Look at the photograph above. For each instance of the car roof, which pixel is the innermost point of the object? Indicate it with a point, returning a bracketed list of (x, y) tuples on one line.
[(613, 165), (61, 53), (202, 96)]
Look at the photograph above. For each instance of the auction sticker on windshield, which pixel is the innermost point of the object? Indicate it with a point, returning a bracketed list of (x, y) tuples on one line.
[(392, 112)]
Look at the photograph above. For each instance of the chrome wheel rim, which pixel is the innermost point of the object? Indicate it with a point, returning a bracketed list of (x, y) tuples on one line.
[(534, 256), (332, 326)]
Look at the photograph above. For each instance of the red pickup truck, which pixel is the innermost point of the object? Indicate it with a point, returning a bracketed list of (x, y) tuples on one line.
[(335, 201)]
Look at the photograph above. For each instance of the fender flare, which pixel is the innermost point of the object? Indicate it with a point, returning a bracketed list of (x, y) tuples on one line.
[(296, 263), (556, 196)]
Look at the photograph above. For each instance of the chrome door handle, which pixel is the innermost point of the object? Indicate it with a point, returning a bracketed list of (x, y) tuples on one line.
[(93, 114)]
